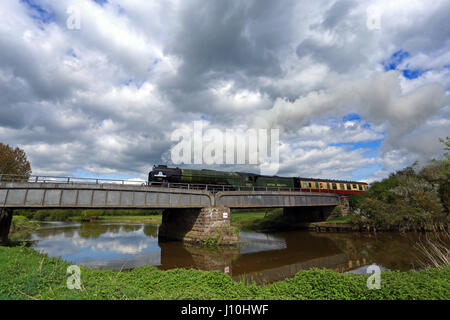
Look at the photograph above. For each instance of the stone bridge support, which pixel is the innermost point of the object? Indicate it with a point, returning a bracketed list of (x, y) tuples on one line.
[(205, 225), (307, 214), (5, 224)]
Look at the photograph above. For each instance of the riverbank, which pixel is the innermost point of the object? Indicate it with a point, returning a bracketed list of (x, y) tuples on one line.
[(261, 220), (27, 274), (155, 219), (20, 226)]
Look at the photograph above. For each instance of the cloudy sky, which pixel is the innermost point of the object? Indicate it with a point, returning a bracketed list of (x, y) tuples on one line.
[(357, 88)]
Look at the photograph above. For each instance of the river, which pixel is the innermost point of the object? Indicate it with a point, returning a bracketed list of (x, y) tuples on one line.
[(264, 257)]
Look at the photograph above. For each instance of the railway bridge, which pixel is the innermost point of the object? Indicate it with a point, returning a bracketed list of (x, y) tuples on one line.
[(192, 213)]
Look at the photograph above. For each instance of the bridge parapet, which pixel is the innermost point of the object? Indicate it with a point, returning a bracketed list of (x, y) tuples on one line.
[(78, 195), (88, 195)]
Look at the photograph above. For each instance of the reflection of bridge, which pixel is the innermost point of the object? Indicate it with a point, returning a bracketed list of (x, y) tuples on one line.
[(267, 263), (188, 208)]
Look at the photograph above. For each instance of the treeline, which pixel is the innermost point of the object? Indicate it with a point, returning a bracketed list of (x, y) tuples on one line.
[(409, 199), (83, 214)]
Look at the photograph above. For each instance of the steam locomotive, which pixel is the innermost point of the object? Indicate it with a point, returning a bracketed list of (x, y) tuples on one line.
[(213, 180)]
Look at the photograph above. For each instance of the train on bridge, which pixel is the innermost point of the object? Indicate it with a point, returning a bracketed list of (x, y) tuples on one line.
[(230, 181)]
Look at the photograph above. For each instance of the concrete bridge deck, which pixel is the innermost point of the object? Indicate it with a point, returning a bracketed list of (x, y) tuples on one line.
[(108, 196)]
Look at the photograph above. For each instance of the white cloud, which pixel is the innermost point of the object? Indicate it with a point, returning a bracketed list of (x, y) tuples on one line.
[(107, 97)]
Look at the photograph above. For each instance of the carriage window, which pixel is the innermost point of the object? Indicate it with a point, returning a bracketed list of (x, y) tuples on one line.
[(334, 186), (305, 185), (310, 184), (360, 187), (342, 186), (349, 187), (317, 185), (354, 186), (328, 186)]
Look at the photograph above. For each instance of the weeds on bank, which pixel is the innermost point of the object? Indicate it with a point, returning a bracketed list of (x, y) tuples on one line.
[(27, 274)]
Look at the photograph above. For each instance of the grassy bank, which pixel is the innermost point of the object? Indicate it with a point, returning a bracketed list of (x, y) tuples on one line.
[(26, 274), (154, 219), (77, 214), (20, 226), (257, 220)]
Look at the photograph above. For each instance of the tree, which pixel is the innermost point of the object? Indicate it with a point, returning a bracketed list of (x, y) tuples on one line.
[(446, 142), (14, 161)]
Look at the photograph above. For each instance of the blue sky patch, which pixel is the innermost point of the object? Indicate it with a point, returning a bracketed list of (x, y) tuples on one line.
[(350, 146), (363, 173), (351, 117), (100, 2), (38, 12), (412, 74), (395, 59)]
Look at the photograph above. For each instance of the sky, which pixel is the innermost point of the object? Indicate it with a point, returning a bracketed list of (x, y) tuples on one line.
[(358, 89)]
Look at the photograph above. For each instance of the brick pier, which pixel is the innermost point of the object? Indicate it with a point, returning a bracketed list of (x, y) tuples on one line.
[(206, 225)]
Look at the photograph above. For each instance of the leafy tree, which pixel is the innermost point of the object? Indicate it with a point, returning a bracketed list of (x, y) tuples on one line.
[(14, 161), (447, 147)]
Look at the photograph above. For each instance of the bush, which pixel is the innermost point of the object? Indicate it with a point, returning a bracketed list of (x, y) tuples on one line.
[(90, 215), (406, 200)]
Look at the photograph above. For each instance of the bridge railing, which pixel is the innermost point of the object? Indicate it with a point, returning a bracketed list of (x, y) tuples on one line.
[(189, 186), (65, 179)]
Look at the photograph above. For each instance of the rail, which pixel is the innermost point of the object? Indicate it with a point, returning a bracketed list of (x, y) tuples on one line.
[(189, 186)]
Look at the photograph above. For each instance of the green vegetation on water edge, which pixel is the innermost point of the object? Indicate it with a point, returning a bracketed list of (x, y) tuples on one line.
[(27, 274), (82, 214), (409, 199), (154, 219), (258, 219), (20, 226), (341, 219)]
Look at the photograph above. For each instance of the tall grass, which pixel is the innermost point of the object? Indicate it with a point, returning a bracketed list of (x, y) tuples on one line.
[(435, 251)]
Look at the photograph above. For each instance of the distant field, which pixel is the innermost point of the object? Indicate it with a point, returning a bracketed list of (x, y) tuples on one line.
[(154, 219)]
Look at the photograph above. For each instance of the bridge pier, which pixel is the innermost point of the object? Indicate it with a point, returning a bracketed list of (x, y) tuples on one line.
[(5, 224), (307, 214), (198, 226)]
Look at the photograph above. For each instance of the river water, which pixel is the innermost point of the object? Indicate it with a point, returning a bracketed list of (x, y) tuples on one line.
[(264, 257)]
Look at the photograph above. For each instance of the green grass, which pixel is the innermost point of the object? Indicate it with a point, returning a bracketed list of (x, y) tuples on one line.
[(20, 224), (27, 274), (156, 219), (77, 214), (258, 220), (20, 227), (346, 219)]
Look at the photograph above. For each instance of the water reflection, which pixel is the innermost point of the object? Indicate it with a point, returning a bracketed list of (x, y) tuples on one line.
[(261, 256), (100, 245)]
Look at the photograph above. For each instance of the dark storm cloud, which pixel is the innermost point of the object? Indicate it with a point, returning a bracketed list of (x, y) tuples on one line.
[(348, 48), (228, 37), (227, 40)]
